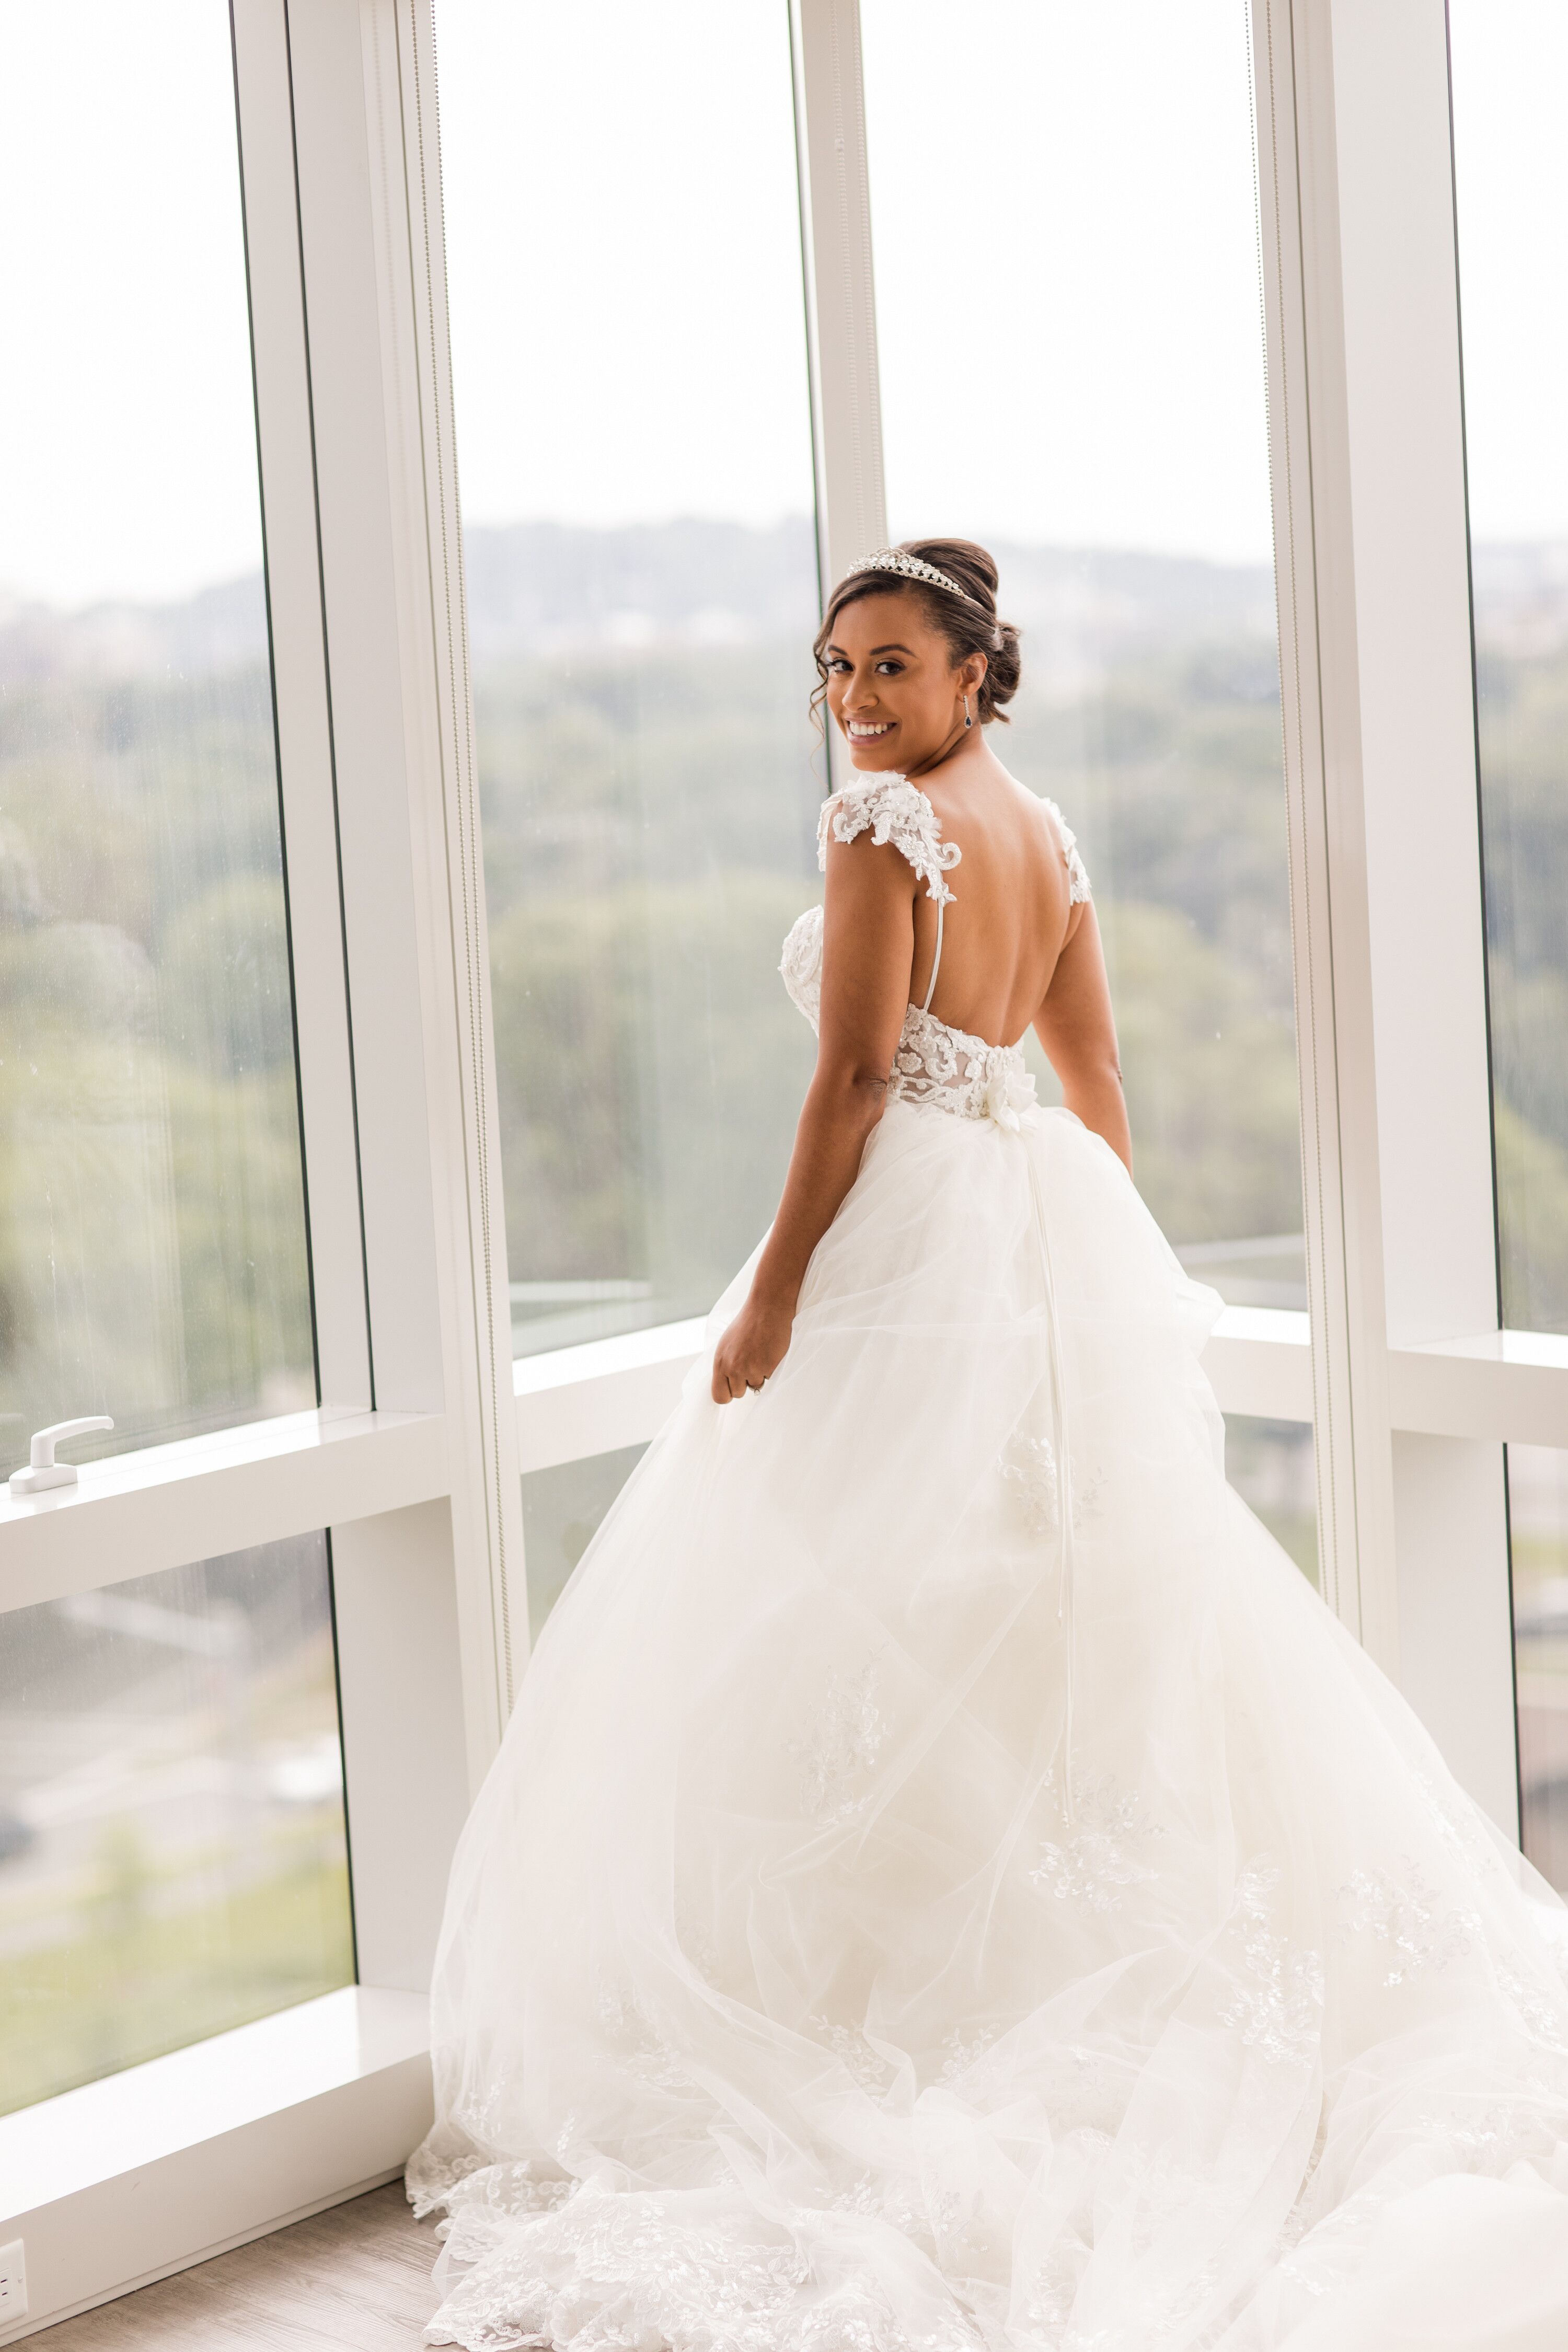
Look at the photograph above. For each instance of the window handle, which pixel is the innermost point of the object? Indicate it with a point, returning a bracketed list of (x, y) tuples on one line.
[(43, 1471)]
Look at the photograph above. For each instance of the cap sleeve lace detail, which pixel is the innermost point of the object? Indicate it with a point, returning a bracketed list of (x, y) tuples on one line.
[(1078, 871), (891, 809)]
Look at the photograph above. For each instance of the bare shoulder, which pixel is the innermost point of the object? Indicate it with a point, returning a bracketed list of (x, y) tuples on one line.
[(1045, 824), (1019, 820)]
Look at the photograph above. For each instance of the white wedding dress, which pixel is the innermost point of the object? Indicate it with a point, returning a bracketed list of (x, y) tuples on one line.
[(949, 1885)]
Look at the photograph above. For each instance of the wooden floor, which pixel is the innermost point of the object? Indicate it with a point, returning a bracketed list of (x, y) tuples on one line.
[(354, 2279)]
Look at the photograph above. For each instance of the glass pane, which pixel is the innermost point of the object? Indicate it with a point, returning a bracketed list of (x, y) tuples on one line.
[(642, 592), (1272, 1467), (153, 1259), (1072, 371), (562, 1509), (1538, 1528), (172, 1849), (1510, 87)]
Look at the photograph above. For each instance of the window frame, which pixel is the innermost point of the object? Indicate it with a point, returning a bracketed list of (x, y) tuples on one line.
[(409, 1462), (413, 1460)]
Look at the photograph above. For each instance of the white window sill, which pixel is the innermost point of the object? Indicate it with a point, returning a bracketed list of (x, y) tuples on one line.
[(576, 1401), (122, 2181), (1259, 1360), (1508, 1385), (1511, 1385), (160, 1506)]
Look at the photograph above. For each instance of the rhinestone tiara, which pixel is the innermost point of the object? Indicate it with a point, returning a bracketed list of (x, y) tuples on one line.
[(909, 567)]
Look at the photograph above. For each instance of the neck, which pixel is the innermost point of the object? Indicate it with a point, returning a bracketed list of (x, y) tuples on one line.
[(965, 746)]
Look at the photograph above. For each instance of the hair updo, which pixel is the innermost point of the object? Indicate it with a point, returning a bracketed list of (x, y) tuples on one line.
[(969, 622)]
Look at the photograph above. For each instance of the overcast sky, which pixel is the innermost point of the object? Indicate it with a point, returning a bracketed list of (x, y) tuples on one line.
[(127, 442), (1066, 272), (1066, 264), (1510, 101)]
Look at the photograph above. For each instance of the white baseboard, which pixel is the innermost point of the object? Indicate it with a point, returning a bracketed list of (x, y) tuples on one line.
[(121, 2182)]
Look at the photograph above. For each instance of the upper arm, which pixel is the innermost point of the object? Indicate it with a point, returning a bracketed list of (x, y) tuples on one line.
[(868, 953), (1075, 1023)]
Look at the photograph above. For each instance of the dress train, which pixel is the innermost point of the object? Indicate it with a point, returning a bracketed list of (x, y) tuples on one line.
[(950, 1882)]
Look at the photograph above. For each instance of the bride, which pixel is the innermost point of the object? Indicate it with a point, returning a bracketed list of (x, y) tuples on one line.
[(949, 1885)]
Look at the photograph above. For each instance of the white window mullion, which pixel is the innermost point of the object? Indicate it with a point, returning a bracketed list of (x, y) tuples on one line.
[(1329, 913), (363, 114), (303, 696), (841, 310), (465, 1145), (1358, 241)]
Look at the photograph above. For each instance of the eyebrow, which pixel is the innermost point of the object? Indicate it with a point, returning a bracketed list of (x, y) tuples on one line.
[(876, 649)]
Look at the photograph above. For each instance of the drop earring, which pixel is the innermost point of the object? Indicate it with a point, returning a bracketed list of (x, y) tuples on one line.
[(967, 719)]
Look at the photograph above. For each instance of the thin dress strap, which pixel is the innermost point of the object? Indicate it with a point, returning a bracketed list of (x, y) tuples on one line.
[(936, 960)]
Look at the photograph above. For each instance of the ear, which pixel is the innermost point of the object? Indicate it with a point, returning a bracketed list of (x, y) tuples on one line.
[(971, 671)]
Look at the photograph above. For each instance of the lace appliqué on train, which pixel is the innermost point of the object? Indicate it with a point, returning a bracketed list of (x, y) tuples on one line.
[(635, 2036), (1278, 2005), (1544, 2019), (609, 2271), (871, 2069), (1405, 1916), (435, 2170), (458, 2173), (839, 1747), (1030, 1466), (891, 809), (1106, 1853), (617, 2272), (1030, 1471)]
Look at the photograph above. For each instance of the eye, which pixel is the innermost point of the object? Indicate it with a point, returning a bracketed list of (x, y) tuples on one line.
[(891, 669), (838, 662)]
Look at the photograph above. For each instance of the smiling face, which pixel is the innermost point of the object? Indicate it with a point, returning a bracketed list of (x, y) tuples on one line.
[(893, 686)]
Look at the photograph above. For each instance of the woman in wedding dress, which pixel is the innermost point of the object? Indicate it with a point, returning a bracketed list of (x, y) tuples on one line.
[(949, 1884)]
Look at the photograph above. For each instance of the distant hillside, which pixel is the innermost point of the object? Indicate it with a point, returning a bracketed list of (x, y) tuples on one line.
[(218, 629), (1521, 597), (543, 588)]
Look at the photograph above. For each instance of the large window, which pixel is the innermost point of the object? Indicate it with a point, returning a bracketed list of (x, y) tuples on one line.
[(1068, 313), (171, 1848), (1270, 1464), (633, 434), (152, 1257), (172, 1838), (562, 1510), (1510, 86)]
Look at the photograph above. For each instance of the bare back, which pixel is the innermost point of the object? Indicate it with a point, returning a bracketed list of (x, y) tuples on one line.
[(1011, 912)]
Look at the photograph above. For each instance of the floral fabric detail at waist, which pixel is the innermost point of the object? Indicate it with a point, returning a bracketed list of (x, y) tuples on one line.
[(939, 1068)]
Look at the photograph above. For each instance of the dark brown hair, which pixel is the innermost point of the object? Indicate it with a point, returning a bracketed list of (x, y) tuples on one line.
[(968, 622)]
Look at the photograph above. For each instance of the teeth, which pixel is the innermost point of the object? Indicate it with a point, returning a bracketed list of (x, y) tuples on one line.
[(856, 728)]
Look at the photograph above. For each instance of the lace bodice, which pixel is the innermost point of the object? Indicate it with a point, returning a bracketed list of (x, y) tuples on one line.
[(944, 1068)]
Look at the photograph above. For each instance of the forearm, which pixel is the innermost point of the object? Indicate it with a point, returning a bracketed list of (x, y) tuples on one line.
[(1097, 1098), (839, 1112)]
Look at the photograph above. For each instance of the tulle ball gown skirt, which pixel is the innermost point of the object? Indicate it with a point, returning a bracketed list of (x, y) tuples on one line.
[(948, 1883)]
